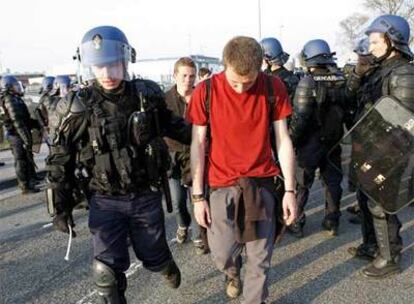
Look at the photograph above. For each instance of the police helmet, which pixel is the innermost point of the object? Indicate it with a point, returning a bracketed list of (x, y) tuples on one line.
[(47, 84), (273, 51), (61, 85), (317, 53), (362, 47), (105, 46), (10, 84), (396, 28)]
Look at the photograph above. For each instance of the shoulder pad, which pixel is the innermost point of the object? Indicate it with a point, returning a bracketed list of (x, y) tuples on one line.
[(406, 69), (401, 84), (72, 104), (307, 82), (305, 95), (147, 87)]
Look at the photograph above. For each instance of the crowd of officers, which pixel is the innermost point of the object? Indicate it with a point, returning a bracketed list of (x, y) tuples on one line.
[(120, 141)]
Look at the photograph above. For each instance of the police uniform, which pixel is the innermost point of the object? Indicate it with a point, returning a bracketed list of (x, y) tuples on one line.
[(316, 125), (289, 79), (397, 74), (275, 56), (110, 139), (18, 124), (394, 76)]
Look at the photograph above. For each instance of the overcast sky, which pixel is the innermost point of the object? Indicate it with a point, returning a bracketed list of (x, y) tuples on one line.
[(37, 35)]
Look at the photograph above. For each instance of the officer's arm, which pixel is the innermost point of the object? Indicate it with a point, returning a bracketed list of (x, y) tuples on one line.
[(303, 104), (285, 153), (198, 155), (66, 129), (176, 127), (173, 126), (41, 112), (15, 112)]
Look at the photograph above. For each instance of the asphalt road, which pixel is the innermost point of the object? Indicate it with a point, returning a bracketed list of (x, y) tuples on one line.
[(315, 269)]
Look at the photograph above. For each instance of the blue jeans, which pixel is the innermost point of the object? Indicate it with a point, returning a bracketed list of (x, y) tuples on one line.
[(180, 195)]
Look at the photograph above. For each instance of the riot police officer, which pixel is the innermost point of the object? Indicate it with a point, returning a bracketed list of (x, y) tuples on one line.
[(394, 75), (273, 61), (110, 134), (41, 110), (316, 125), (61, 85), (52, 90), (18, 124)]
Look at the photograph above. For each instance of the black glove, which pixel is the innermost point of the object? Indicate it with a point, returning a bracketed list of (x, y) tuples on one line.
[(364, 65), (62, 221)]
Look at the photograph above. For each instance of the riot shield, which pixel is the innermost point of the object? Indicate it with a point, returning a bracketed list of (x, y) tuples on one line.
[(380, 152), (37, 138)]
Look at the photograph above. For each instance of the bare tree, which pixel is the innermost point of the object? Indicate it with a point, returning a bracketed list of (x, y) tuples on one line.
[(351, 29), (403, 8)]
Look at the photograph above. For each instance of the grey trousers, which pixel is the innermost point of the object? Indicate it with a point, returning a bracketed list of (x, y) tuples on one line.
[(225, 250)]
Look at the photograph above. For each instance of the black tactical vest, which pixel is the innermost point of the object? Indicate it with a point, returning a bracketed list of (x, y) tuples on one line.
[(116, 166)]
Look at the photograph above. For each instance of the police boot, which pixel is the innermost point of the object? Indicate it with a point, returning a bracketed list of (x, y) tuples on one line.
[(381, 268), (27, 188), (364, 251), (110, 291), (172, 275), (296, 229), (330, 226), (36, 177), (387, 262)]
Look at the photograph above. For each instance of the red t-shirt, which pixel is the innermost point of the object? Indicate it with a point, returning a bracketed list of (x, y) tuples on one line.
[(239, 124)]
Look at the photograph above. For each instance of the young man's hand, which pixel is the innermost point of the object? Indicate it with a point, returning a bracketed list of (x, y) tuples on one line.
[(202, 213), (290, 209)]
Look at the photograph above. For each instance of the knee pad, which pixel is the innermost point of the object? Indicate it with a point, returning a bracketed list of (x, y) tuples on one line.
[(106, 282), (376, 210), (103, 275)]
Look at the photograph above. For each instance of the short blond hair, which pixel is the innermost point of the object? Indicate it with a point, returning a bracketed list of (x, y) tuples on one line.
[(184, 61)]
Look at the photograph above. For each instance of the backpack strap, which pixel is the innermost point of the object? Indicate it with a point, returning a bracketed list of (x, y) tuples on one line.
[(207, 102), (270, 98)]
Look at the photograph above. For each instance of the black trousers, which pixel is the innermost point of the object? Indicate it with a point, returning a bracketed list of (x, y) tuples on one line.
[(23, 160), (310, 157), (141, 218)]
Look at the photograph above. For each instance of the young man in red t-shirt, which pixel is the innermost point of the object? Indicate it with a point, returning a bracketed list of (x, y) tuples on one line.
[(239, 156)]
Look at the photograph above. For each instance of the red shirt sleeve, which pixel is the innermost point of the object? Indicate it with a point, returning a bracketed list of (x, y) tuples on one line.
[(196, 112), (282, 109)]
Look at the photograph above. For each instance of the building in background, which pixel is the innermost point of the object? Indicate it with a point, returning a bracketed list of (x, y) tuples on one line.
[(161, 70)]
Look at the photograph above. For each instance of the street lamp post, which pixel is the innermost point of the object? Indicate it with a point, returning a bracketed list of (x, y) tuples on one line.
[(260, 19)]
